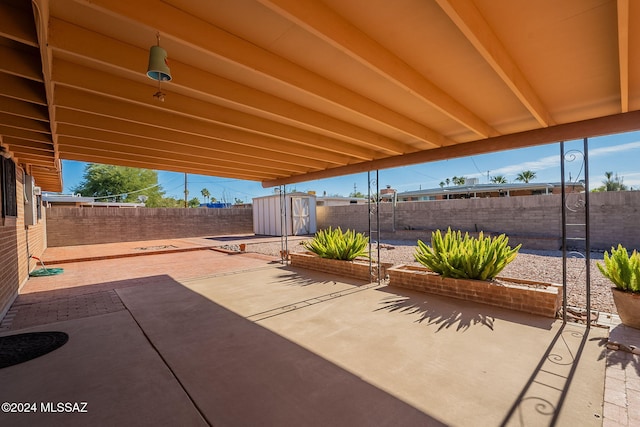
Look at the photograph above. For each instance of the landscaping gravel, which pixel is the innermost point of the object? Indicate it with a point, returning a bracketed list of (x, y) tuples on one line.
[(544, 266)]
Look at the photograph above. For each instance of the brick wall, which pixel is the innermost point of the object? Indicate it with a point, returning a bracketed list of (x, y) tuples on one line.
[(9, 282), (14, 264), (534, 221), (68, 226)]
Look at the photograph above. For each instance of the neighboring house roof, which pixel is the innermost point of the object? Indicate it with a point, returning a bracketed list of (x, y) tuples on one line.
[(86, 201), (482, 188)]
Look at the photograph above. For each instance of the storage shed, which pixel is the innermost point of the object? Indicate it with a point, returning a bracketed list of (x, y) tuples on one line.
[(300, 214)]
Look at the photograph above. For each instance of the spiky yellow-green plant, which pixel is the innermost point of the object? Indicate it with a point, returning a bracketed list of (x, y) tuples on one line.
[(335, 244), (623, 270), (469, 258)]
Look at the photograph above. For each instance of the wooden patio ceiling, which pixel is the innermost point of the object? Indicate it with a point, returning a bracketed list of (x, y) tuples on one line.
[(283, 91)]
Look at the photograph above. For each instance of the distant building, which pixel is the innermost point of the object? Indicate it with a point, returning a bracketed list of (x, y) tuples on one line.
[(474, 190), (339, 201)]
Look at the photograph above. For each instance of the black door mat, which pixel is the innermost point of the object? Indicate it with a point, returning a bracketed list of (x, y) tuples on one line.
[(20, 348)]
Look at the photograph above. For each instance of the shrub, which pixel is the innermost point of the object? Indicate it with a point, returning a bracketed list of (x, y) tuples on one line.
[(334, 244), (469, 258), (623, 270)]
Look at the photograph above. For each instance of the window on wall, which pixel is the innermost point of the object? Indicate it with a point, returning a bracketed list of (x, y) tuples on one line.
[(8, 188)]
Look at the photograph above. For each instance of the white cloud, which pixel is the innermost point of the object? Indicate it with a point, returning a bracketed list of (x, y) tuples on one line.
[(614, 149), (554, 161)]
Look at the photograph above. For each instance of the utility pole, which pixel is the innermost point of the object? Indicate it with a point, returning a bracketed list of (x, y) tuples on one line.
[(186, 192)]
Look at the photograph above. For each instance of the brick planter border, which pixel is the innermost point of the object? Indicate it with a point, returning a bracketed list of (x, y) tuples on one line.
[(543, 299), (355, 269)]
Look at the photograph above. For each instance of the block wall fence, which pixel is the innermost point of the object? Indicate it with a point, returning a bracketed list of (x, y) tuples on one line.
[(68, 226), (534, 221)]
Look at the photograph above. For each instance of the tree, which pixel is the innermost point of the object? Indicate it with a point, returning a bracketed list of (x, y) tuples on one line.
[(441, 184), (448, 181), (459, 180), (170, 202), (238, 201), (526, 176), (120, 184), (357, 194), (194, 203), (499, 179), (205, 194), (612, 183)]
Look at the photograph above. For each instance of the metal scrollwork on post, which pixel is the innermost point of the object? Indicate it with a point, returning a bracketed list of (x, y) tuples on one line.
[(579, 203), (575, 220), (374, 226)]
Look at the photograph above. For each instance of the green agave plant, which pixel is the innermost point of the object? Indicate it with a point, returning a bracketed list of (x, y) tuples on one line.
[(334, 244), (469, 258), (623, 270)]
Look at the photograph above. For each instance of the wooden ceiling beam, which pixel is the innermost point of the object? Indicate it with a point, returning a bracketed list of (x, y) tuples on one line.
[(20, 63), (242, 143), (320, 20), (17, 24), (23, 109), (27, 159), (475, 28), (71, 39), (25, 134), (119, 160), (43, 146), (175, 23), (19, 122), (132, 92), (20, 151), (623, 52), (22, 89), (67, 143), (618, 123), (110, 107), (99, 139)]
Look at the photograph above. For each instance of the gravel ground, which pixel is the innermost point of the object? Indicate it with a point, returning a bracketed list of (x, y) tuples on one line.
[(544, 266)]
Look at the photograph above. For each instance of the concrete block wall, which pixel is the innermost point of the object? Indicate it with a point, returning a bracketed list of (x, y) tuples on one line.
[(68, 226), (534, 221)]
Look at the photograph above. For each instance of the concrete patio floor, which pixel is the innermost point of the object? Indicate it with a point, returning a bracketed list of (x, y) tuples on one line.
[(206, 338)]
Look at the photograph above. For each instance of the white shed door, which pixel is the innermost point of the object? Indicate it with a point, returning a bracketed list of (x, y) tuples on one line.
[(300, 215)]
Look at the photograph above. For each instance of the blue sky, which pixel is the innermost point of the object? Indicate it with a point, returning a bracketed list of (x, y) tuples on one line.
[(617, 153)]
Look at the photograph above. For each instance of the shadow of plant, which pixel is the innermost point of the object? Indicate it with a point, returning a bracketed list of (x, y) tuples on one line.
[(618, 358), (444, 312), (292, 276)]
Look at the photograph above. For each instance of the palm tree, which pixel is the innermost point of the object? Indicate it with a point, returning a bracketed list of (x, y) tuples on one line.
[(526, 176), (205, 194), (499, 179), (447, 181), (612, 183), (441, 184), (459, 180)]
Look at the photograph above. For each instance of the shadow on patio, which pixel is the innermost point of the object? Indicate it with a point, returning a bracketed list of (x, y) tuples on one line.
[(167, 355), (272, 345)]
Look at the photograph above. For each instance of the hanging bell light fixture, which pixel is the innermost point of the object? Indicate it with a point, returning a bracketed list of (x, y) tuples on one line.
[(158, 68)]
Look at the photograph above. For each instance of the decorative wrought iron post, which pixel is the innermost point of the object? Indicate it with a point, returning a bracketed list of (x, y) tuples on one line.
[(374, 225), (284, 241), (576, 230)]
